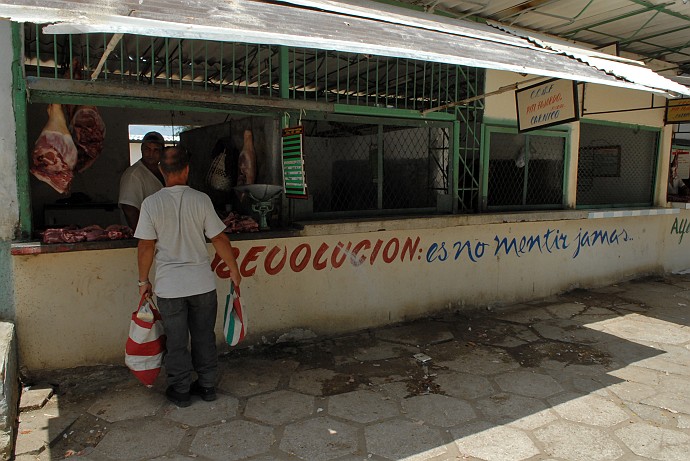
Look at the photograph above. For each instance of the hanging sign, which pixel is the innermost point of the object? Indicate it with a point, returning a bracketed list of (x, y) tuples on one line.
[(678, 110), (545, 104), (294, 177)]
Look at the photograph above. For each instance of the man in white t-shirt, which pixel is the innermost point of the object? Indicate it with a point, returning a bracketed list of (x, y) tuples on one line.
[(141, 179), (173, 226)]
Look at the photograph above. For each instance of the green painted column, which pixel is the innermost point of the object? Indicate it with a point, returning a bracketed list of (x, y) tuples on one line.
[(19, 104)]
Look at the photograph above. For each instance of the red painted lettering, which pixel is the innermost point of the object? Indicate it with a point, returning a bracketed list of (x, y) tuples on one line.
[(387, 255), (375, 251), (339, 249), (223, 270), (216, 260), (294, 265), (252, 256), (355, 251), (409, 248), (268, 263), (318, 263)]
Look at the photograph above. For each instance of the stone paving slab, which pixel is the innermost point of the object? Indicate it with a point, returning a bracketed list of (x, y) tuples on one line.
[(35, 397), (587, 375)]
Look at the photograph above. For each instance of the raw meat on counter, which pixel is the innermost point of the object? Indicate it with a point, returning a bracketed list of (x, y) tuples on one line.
[(236, 223), (73, 234), (117, 232), (70, 234), (88, 133), (54, 155)]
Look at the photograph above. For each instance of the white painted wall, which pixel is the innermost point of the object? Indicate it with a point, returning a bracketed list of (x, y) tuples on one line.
[(98, 292), (9, 212)]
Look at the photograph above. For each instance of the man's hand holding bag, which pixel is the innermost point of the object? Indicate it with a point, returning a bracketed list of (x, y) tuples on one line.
[(235, 318)]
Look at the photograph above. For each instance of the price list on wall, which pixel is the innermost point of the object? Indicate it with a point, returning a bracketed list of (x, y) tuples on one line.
[(294, 176)]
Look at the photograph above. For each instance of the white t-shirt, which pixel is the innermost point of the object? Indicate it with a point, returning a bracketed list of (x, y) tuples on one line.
[(178, 218), (137, 183)]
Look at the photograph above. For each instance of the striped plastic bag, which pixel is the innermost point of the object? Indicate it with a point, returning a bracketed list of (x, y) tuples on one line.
[(234, 319), (146, 342)]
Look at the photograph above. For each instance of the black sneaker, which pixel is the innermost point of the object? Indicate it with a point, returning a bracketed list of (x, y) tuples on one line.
[(181, 399), (206, 393)]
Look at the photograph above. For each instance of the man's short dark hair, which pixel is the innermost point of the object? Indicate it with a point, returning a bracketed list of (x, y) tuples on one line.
[(154, 137), (174, 159)]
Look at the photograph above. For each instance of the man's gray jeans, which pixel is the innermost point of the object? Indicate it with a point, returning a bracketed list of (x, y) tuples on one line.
[(195, 317)]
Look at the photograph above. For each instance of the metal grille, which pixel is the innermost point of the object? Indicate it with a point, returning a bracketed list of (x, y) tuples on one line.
[(250, 69), (380, 81), (616, 165), (469, 158), (356, 167), (185, 64), (525, 170)]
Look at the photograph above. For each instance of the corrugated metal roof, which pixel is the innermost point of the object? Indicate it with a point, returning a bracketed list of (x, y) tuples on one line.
[(354, 26), (655, 29)]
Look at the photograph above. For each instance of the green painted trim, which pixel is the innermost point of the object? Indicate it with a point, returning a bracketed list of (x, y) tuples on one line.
[(656, 168), (512, 124), (565, 132), (136, 103), (22, 145), (484, 165), (284, 67), (379, 168), (7, 308), (566, 170), (372, 120), (620, 124), (391, 113), (455, 173)]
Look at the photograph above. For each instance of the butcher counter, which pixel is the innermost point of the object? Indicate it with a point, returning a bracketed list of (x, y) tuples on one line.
[(37, 247)]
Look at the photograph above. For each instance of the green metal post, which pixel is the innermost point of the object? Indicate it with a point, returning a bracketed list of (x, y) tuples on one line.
[(19, 102), (484, 178), (379, 173), (284, 63), (455, 171)]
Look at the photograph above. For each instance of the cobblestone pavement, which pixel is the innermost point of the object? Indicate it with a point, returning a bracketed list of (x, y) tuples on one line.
[(588, 375)]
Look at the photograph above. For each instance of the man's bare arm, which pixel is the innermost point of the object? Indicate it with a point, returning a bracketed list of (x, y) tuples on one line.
[(145, 252), (223, 247), (131, 215)]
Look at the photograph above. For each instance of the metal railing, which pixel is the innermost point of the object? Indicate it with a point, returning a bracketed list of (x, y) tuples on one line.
[(249, 69)]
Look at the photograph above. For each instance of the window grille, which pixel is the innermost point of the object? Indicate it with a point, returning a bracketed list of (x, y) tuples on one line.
[(616, 165), (354, 168), (251, 69), (525, 171)]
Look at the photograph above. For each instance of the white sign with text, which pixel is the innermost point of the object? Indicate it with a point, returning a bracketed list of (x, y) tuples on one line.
[(545, 104)]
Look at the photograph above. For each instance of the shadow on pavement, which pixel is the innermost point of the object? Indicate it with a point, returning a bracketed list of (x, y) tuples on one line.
[(586, 375)]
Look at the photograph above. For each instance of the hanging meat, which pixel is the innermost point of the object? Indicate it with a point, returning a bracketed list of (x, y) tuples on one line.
[(55, 155), (247, 161), (88, 133), (85, 125)]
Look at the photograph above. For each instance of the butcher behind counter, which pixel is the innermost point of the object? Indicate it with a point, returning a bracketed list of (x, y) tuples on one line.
[(64, 148)]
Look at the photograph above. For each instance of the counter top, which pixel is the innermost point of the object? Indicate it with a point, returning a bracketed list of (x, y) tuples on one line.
[(37, 247)]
